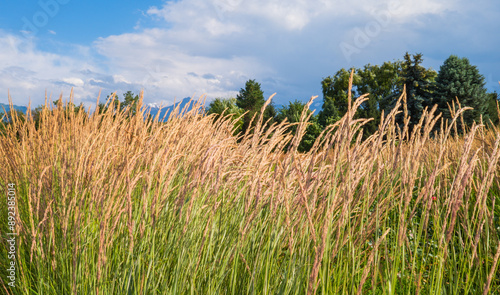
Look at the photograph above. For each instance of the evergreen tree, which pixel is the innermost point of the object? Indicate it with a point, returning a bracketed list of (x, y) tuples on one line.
[(251, 99), (492, 110), (459, 79), (419, 83), (329, 113), (130, 101)]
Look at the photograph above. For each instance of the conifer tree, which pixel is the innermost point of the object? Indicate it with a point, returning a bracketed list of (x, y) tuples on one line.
[(419, 84), (458, 79), (251, 99)]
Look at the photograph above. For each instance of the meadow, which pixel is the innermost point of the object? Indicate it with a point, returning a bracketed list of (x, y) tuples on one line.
[(114, 204)]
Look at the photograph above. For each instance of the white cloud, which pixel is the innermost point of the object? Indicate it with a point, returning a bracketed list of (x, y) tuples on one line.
[(27, 72), (214, 46), (158, 61), (291, 15), (216, 28), (74, 81)]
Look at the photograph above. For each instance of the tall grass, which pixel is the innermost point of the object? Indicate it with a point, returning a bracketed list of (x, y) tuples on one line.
[(115, 204)]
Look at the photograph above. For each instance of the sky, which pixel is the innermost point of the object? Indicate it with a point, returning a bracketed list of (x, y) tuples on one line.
[(190, 48)]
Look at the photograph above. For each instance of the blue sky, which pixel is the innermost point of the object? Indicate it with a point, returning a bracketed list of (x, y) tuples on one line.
[(175, 49)]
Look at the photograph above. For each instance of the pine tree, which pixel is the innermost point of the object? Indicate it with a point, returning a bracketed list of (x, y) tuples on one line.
[(458, 79), (492, 115), (329, 113), (419, 84), (251, 99), (130, 101)]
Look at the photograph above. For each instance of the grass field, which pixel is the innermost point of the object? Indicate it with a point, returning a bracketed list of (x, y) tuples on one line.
[(115, 204)]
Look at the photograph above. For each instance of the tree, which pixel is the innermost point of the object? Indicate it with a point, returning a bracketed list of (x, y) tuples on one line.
[(457, 78), (419, 83), (228, 107), (329, 113), (103, 107), (379, 82), (492, 109), (292, 113), (8, 117), (66, 109), (334, 97), (130, 101), (251, 99)]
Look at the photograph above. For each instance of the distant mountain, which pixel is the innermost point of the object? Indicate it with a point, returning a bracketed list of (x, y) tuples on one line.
[(7, 108), (155, 109)]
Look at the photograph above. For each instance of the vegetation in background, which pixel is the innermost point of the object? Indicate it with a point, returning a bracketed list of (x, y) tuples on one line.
[(493, 111), (459, 79), (380, 82), (227, 107), (130, 101), (417, 82), (292, 113), (334, 97), (251, 99), (424, 88)]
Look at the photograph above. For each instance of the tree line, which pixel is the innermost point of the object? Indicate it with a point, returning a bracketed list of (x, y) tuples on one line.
[(456, 80)]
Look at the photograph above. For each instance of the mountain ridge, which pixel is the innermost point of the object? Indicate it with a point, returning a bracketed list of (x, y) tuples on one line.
[(16, 107)]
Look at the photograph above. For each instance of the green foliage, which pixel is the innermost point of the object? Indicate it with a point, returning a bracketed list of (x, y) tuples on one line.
[(112, 101), (130, 101), (334, 97), (329, 113), (8, 116), (226, 106), (419, 83), (379, 82), (492, 111), (292, 113), (458, 79), (251, 99)]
